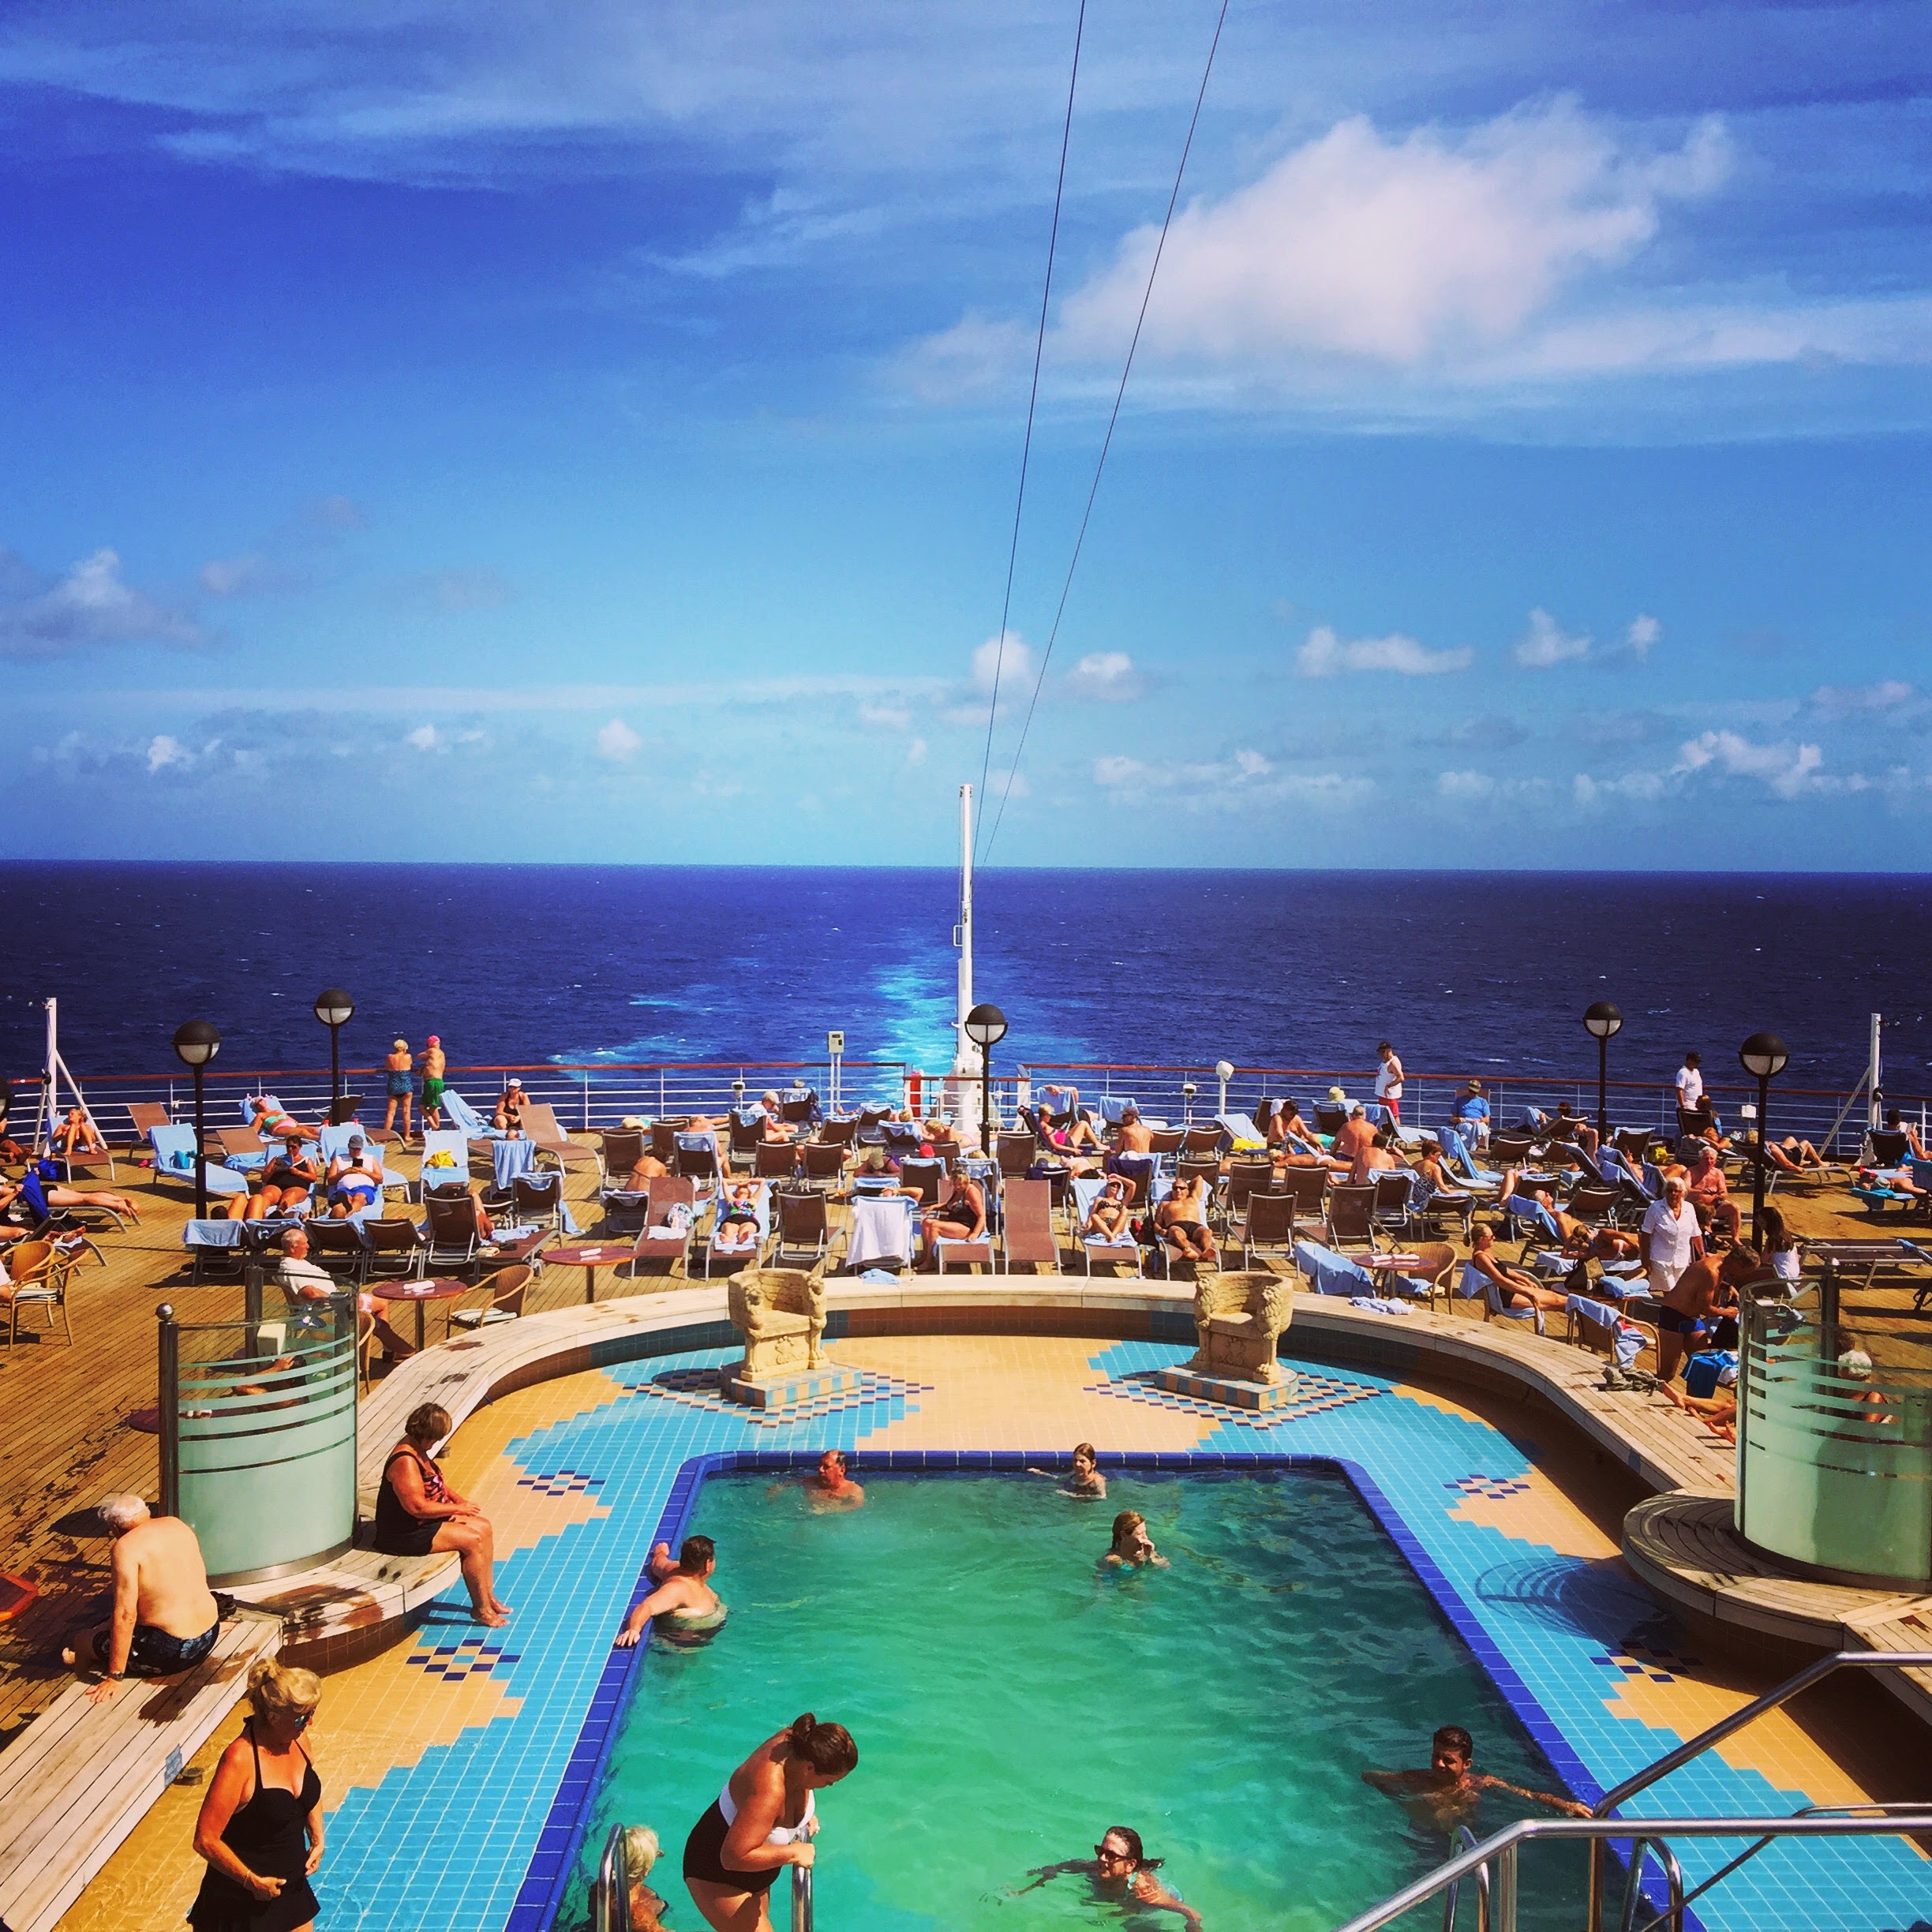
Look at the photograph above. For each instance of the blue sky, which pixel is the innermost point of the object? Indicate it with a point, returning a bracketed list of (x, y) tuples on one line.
[(437, 432)]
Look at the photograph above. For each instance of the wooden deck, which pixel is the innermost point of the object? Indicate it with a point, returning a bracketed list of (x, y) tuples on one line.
[(71, 1439)]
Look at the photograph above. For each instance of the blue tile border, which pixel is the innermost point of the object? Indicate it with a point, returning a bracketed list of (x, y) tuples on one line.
[(559, 1841)]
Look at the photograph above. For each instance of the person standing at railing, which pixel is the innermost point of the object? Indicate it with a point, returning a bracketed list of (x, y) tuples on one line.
[(401, 1068), (435, 1065), (1388, 1085), (764, 1819)]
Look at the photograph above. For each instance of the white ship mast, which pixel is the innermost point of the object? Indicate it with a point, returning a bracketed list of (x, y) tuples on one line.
[(965, 1055)]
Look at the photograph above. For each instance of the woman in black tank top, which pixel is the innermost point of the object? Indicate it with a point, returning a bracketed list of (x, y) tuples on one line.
[(260, 1827)]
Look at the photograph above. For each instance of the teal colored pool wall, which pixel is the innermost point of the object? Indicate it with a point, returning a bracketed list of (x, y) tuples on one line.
[(560, 1842)]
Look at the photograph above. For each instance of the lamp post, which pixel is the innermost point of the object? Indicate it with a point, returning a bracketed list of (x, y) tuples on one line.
[(1764, 1056), (1224, 1072), (985, 1027), (1604, 1023), (334, 1009), (195, 1043)]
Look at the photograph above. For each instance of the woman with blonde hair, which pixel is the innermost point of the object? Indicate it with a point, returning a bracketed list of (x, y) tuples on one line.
[(261, 1826), (416, 1511)]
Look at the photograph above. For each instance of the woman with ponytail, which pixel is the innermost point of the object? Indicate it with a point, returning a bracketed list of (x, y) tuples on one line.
[(764, 1819)]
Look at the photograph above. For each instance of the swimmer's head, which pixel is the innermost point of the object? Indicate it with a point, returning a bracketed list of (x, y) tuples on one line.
[(1084, 1457), (1129, 1527), (826, 1750), (1120, 1853), (698, 1555), (1451, 1750), (832, 1466), (640, 1850)]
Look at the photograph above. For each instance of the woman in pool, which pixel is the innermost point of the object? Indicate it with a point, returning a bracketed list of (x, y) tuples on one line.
[(763, 1820), (1085, 1479), (1133, 1548), (1122, 1874)]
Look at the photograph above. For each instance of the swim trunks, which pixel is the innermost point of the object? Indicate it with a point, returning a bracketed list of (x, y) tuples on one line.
[(156, 1653)]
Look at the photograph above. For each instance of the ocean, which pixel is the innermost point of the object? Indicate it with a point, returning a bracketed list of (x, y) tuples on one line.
[(1464, 972)]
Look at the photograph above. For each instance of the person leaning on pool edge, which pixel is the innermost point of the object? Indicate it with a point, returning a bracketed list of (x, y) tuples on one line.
[(764, 1819), (688, 1609)]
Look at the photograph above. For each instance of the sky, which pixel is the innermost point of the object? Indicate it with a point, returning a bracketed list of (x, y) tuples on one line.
[(435, 431)]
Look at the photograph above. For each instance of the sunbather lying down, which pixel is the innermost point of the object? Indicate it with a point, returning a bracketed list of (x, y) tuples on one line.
[(737, 1230)]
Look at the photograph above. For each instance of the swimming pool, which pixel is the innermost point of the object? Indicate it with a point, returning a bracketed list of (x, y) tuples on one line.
[(1011, 1701)]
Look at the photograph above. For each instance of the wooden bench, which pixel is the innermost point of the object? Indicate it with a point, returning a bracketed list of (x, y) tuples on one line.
[(352, 1605), (80, 1776)]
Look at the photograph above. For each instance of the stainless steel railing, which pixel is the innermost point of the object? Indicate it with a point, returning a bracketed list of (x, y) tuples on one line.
[(1501, 1853), (610, 1890), (801, 1898)]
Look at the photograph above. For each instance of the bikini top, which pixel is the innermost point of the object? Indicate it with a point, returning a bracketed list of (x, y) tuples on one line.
[(779, 1834)]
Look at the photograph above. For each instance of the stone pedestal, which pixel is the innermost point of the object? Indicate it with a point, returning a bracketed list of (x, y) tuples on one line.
[(788, 1388), (1232, 1392)]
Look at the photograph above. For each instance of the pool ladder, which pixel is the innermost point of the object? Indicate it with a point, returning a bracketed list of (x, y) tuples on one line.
[(610, 1891), (1494, 1863)]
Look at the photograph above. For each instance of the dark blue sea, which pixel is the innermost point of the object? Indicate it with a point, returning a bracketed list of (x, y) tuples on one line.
[(1465, 972)]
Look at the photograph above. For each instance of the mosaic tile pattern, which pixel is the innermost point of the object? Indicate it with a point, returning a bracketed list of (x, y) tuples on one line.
[(1319, 1392), (877, 1399), (466, 1739)]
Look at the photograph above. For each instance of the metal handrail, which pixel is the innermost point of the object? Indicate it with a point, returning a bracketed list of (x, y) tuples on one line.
[(1502, 1851), (1452, 1897), (610, 1890), (801, 1899), (1725, 1727)]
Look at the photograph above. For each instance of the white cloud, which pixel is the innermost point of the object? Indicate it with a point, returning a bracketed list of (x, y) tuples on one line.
[(1546, 644), (1396, 251), (1642, 635), (1012, 665), (424, 738), (92, 605), (886, 717), (915, 752), (616, 741), (164, 751), (975, 358), (1324, 654), (1590, 791), (1105, 677), (1463, 785), (237, 576), (1244, 777), (1891, 701), (1788, 770)]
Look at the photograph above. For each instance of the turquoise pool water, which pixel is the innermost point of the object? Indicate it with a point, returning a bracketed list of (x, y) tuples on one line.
[(1011, 1703)]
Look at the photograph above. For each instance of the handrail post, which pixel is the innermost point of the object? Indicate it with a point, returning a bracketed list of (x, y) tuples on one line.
[(801, 1898), (168, 1391), (1502, 1908)]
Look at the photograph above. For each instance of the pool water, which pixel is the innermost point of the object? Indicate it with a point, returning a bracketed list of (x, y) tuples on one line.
[(1011, 1700)]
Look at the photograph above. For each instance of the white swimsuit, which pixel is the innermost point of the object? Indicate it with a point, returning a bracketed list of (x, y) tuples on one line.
[(779, 1834)]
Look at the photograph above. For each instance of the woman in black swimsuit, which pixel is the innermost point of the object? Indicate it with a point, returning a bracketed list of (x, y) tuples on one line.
[(416, 1511), (260, 1827), (764, 1819)]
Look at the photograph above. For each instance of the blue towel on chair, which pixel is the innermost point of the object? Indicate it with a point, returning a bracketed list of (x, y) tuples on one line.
[(1333, 1273), (511, 1159)]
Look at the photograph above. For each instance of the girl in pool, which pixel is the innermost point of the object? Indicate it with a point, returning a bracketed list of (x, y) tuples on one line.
[(763, 1820), (1122, 1873), (1085, 1479), (1133, 1548)]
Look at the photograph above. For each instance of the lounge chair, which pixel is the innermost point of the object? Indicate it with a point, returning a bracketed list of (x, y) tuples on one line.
[(454, 1237), (927, 1176), (1244, 1178), (883, 1230), (839, 1133), (1166, 1141), (696, 1159), (746, 1129), (1495, 1309), (967, 1251), (445, 1165), (174, 1161), (775, 1160), (1350, 1215), (740, 1254), (538, 1200), (146, 1114), (1016, 1152), (1390, 1210), (396, 1248), (339, 1247), (467, 1121), (1269, 1221), (1027, 1229), (825, 1162), (1239, 1134), (1307, 1188), (333, 1142), (618, 1150), (670, 1209), (542, 1128), (242, 1149), (804, 1229)]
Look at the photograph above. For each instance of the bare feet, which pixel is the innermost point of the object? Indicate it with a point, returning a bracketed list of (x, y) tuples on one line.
[(490, 1619)]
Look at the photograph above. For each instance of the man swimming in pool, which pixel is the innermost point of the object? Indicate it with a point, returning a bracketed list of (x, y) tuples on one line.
[(830, 1487), (1446, 1794), (687, 1608)]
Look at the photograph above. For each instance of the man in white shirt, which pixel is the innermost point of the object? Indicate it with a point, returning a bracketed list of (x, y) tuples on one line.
[(1690, 1085), (1389, 1080), (1668, 1238)]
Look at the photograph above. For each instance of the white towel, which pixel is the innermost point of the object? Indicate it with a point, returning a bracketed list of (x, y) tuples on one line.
[(880, 1229)]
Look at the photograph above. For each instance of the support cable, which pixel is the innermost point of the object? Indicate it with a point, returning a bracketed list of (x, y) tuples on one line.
[(1107, 442), (1026, 447)]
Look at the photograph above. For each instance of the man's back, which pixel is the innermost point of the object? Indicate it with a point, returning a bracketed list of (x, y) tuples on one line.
[(171, 1590)]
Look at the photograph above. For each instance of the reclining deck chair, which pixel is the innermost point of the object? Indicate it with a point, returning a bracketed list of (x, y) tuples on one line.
[(825, 1162), (454, 1237), (804, 1228), (537, 1199), (670, 1211), (1123, 1251), (775, 1160), (1269, 1222), (468, 1122), (546, 1134), (333, 1142), (1350, 1216), (445, 1164), (1026, 1230), (174, 1162)]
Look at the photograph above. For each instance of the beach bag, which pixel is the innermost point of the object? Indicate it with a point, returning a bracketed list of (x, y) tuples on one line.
[(1702, 1372)]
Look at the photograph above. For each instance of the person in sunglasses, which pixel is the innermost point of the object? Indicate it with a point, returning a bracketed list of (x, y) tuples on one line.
[(261, 1826), (1122, 1873)]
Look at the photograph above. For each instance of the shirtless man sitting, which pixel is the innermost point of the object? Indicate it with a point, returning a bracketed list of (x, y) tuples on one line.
[(683, 1598), (1373, 1159), (165, 1620), (1355, 1138), (1135, 1136), (1182, 1220), (774, 1125)]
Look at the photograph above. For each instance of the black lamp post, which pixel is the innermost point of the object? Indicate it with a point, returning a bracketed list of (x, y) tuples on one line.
[(196, 1044), (1604, 1023), (1764, 1057), (985, 1027), (334, 1009)]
